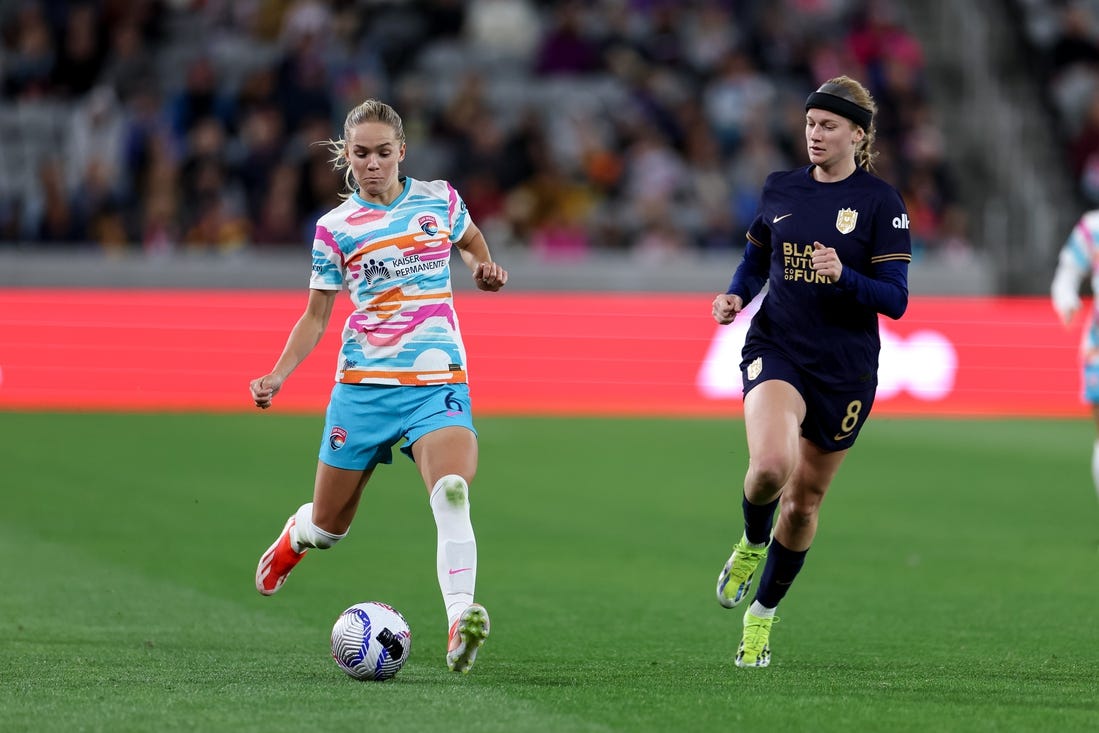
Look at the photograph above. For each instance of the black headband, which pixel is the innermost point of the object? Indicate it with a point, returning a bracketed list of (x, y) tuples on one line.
[(843, 107)]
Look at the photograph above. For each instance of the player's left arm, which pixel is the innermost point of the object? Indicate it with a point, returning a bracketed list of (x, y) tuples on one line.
[(471, 244), (487, 275), (885, 288)]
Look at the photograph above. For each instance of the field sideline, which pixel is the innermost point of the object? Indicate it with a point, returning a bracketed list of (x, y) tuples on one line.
[(953, 585)]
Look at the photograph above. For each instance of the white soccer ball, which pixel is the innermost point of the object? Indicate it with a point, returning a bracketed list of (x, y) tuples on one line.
[(371, 641)]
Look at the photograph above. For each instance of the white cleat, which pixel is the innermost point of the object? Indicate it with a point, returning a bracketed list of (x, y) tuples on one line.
[(467, 634)]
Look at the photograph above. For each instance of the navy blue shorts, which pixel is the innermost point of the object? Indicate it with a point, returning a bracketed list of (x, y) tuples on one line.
[(365, 421), (833, 417)]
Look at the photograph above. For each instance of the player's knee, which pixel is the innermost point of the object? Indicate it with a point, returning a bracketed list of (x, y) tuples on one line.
[(769, 473), (450, 494), (799, 513), (308, 534)]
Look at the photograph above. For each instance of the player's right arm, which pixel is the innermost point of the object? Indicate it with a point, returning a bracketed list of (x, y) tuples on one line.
[(1070, 274), (304, 337), (748, 281), (726, 307)]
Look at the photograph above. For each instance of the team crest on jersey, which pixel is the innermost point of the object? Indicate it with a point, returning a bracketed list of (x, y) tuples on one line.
[(755, 368), (337, 438), (845, 220), (429, 225)]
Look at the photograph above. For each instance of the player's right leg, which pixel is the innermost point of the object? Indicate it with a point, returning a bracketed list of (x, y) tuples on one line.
[(279, 559), (773, 409), (359, 432), (735, 578), (319, 524)]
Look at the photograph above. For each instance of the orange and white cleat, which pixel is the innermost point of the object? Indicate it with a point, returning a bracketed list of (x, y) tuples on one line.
[(277, 562), (467, 634)]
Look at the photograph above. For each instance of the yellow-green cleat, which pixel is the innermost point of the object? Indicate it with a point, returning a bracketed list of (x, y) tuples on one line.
[(754, 650), (736, 577)]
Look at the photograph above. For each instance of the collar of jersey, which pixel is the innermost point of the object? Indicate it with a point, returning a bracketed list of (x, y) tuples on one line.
[(363, 202)]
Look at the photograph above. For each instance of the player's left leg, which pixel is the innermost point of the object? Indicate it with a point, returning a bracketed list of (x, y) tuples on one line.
[(467, 634), (447, 460)]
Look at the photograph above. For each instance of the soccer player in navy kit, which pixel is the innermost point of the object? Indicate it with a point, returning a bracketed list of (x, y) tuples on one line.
[(831, 241)]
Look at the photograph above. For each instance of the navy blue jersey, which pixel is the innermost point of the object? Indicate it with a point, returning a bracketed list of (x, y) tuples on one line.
[(830, 329)]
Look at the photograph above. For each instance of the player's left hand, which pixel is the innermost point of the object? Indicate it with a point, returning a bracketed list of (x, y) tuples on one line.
[(827, 262), (490, 276)]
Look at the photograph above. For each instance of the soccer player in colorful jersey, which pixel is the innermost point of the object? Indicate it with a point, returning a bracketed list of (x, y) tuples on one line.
[(1079, 260), (402, 367), (831, 242)]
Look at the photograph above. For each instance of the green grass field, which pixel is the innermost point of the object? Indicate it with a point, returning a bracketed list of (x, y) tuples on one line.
[(953, 585)]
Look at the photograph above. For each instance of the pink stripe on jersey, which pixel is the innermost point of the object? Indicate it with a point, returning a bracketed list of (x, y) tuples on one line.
[(324, 236), (1086, 234), (452, 205), (364, 215), (438, 251), (389, 332)]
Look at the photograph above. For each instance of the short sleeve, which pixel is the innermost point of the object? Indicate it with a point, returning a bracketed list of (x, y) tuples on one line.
[(328, 262), (457, 214)]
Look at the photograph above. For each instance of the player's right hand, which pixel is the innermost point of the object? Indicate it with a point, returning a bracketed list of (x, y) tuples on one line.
[(1066, 314), (726, 307), (264, 390)]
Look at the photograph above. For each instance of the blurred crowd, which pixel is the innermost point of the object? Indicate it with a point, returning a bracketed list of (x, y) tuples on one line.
[(570, 128), (1066, 35)]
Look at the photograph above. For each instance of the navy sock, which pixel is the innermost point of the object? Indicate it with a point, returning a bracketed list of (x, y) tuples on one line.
[(758, 520), (782, 567)]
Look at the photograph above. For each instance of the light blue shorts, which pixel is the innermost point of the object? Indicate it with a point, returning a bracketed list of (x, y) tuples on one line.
[(365, 421), (1091, 383)]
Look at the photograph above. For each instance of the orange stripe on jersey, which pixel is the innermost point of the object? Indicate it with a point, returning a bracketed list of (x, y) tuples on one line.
[(408, 241), (441, 376), (390, 301), (365, 250), (402, 240)]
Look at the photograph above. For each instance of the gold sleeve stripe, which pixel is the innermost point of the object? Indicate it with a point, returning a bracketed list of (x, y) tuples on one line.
[(900, 256), (753, 240)]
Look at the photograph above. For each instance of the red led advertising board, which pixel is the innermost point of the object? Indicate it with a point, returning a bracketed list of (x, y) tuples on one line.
[(529, 353)]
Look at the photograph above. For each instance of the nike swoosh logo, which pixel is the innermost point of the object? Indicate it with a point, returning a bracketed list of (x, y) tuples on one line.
[(777, 219), (845, 436), (459, 570)]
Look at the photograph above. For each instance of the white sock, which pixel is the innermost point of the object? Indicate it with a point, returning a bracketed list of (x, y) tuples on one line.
[(1095, 466), (756, 609), (755, 546), (304, 534), (456, 556)]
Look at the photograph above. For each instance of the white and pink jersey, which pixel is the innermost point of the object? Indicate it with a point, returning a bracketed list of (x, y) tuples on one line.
[(395, 263)]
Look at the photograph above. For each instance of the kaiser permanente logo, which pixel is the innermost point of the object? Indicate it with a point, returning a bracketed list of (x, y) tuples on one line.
[(924, 364)]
